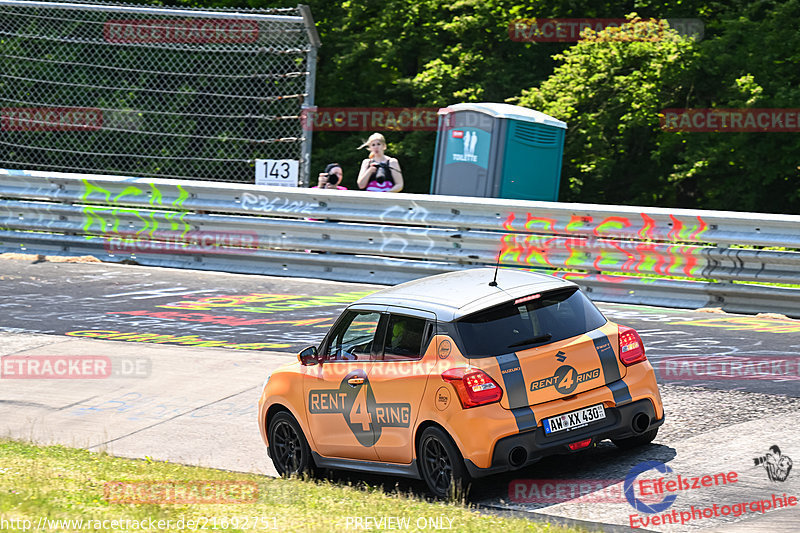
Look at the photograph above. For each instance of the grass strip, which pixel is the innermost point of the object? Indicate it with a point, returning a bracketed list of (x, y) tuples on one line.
[(55, 488)]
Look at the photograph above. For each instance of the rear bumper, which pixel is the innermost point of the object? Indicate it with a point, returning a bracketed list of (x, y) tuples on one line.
[(616, 425)]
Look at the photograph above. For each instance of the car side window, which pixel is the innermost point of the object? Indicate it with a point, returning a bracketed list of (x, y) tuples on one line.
[(404, 338), (353, 337)]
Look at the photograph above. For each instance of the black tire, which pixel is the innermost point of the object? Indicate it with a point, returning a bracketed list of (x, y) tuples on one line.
[(441, 464), (640, 440), (288, 447)]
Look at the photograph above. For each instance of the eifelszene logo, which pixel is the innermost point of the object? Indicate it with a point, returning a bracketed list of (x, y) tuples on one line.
[(630, 482)]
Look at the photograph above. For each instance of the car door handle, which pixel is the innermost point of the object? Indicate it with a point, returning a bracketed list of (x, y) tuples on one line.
[(356, 381)]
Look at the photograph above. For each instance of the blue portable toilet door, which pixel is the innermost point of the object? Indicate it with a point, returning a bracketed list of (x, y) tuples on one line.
[(467, 152)]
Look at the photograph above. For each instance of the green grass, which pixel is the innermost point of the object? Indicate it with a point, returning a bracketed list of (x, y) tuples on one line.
[(59, 483)]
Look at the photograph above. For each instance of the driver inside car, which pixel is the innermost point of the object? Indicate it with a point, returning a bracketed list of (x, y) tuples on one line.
[(403, 342)]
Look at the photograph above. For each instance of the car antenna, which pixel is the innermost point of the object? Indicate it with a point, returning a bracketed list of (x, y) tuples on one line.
[(493, 283)]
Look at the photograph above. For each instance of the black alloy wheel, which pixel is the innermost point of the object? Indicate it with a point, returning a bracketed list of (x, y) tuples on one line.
[(441, 463), (288, 446)]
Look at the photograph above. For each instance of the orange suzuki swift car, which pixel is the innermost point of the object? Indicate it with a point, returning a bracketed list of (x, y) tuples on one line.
[(458, 376)]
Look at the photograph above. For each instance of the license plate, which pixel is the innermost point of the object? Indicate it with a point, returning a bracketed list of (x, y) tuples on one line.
[(574, 419)]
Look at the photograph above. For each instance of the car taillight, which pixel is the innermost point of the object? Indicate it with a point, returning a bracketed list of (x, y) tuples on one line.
[(579, 445), (631, 348), (474, 386)]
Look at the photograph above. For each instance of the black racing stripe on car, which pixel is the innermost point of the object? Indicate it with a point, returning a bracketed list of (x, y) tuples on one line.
[(514, 383), (608, 361), (525, 418), (619, 389)]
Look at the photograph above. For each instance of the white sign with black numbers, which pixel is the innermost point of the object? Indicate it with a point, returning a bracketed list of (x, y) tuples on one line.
[(277, 172)]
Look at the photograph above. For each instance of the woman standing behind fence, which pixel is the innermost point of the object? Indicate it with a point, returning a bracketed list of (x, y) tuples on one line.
[(379, 172)]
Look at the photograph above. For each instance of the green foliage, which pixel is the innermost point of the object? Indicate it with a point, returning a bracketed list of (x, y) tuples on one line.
[(610, 91)]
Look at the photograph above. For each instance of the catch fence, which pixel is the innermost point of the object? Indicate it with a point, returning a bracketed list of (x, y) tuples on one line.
[(154, 91)]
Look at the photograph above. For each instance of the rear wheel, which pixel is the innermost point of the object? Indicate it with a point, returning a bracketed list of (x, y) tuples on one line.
[(639, 440), (288, 447), (441, 464)]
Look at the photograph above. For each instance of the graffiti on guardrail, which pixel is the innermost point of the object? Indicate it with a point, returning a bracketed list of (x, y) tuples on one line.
[(539, 241), (106, 218), (262, 203), (393, 239), (614, 226), (585, 243)]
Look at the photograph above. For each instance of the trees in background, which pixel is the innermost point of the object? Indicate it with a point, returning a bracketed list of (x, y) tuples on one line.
[(423, 53)]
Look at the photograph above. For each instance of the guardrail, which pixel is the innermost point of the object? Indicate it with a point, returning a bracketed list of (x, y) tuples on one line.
[(700, 258)]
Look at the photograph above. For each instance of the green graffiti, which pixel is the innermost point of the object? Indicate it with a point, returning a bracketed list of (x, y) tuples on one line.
[(175, 225), (181, 198), (109, 217)]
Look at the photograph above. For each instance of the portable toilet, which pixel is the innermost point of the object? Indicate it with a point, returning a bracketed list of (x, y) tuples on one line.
[(494, 150)]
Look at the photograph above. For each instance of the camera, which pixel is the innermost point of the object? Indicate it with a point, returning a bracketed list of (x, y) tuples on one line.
[(381, 171), (333, 179), (760, 460)]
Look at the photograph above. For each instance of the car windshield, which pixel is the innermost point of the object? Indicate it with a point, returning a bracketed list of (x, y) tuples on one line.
[(528, 322)]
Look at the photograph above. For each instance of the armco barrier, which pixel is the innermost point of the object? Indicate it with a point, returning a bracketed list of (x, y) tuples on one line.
[(699, 257)]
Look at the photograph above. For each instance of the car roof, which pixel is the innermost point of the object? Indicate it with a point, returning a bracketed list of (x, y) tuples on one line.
[(457, 294)]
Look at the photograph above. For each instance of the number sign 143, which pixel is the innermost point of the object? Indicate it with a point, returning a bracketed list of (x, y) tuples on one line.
[(277, 172)]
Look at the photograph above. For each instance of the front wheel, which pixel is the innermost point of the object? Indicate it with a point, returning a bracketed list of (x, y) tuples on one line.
[(639, 440), (288, 447), (441, 463)]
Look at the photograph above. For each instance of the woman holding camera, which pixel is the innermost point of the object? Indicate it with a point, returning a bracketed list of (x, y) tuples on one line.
[(331, 178), (379, 172)]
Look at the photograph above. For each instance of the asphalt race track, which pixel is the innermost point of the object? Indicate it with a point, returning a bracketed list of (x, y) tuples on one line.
[(195, 347)]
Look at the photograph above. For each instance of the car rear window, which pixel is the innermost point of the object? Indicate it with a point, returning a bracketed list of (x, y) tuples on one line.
[(533, 321)]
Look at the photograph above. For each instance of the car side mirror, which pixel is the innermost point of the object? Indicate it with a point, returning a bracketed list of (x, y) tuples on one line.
[(309, 356)]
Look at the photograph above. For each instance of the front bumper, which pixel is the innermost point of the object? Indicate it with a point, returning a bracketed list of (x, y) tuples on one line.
[(616, 425)]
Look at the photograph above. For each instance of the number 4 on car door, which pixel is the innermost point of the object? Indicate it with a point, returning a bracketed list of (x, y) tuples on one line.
[(338, 392)]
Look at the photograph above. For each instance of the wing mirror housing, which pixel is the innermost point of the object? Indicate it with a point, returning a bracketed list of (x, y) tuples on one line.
[(309, 356)]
